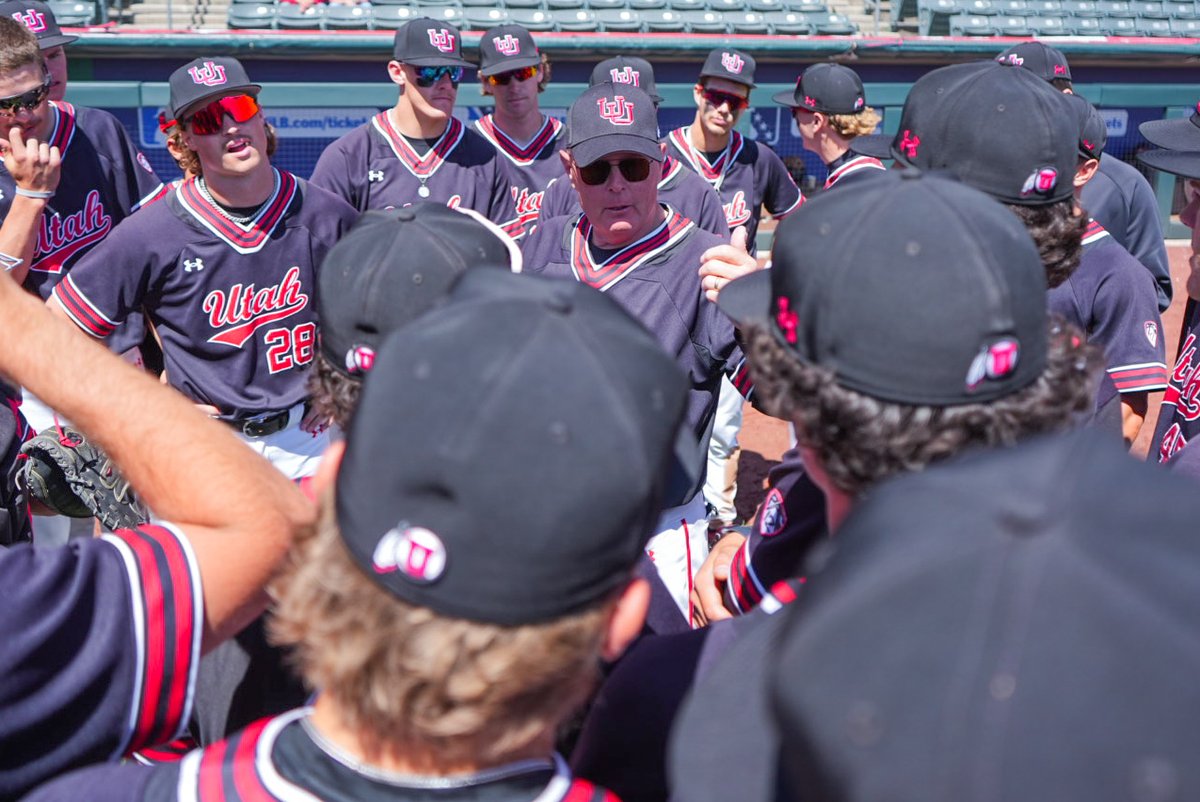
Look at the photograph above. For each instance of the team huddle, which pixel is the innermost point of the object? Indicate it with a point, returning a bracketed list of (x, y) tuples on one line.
[(431, 454)]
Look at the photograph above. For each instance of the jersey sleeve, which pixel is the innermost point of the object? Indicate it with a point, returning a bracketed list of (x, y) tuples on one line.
[(1145, 239), (332, 173), (124, 783), (136, 182), (1127, 324), (110, 281), (100, 651), (558, 200), (782, 196)]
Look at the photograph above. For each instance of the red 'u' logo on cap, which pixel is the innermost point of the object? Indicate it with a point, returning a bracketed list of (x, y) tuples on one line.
[(617, 111), (208, 75), (442, 39), (33, 20), (733, 62), (508, 45)]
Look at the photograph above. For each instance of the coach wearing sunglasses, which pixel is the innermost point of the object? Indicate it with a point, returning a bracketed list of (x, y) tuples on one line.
[(647, 257), (417, 150)]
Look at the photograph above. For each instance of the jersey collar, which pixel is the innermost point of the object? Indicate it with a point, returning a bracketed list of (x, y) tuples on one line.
[(604, 274), (420, 166), (243, 238), (522, 156), (62, 132), (713, 172)]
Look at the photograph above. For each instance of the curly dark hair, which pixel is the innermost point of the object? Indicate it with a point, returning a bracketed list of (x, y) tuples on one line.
[(862, 440), (331, 392), (1057, 228)]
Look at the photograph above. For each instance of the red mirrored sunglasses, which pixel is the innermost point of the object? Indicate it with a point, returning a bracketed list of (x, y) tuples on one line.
[(503, 78), (210, 119), (715, 98)]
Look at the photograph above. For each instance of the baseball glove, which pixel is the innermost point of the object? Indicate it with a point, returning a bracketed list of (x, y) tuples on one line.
[(73, 477)]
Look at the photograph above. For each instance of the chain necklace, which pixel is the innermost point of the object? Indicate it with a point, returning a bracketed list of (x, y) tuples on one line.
[(241, 220)]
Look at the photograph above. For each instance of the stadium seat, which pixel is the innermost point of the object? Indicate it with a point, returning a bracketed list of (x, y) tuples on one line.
[(1150, 9), (981, 8), (511, 4), (789, 23), (574, 20), (251, 15), (1114, 8), (1186, 27), (392, 3), (763, 6), (596, 5), (902, 10), (808, 6), (728, 6), (1048, 26), (687, 5), (619, 20), (1086, 26), (1044, 7), (477, 3), (73, 13), (704, 21), (832, 24), (1119, 26), (392, 15), (349, 18), (933, 16), (645, 5), (1014, 26), (967, 25), (1180, 10), (748, 22), (1154, 27), (1011, 8), (1082, 8), (663, 21), (480, 19), (451, 14), (563, 4), (533, 19), (290, 16)]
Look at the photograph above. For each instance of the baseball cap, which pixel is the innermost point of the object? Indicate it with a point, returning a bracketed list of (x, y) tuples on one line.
[(394, 266), (39, 19), (955, 642), (915, 289), (732, 65), (207, 77), (827, 88), (1001, 130), (426, 42), (507, 47), (1047, 63), (627, 70), (531, 461), (610, 118), (1093, 133), (1177, 134)]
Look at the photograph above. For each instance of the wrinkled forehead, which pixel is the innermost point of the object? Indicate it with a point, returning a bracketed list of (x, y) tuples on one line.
[(21, 79)]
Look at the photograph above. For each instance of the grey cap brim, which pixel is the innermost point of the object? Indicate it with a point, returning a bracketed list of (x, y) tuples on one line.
[(876, 145), (56, 41), (596, 148), (1185, 163), (1178, 134), (508, 65), (747, 299)]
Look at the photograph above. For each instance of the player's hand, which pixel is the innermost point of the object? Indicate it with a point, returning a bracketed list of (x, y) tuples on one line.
[(708, 586), (34, 165), (209, 410), (315, 423), (722, 264)]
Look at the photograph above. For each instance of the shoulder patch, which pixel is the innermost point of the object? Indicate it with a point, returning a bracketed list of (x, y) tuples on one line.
[(773, 518)]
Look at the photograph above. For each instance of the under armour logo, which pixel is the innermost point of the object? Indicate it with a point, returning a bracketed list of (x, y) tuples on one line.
[(508, 45), (617, 111), (442, 39), (33, 20), (625, 75), (808, 101), (787, 319), (1060, 69), (208, 75), (732, 62), (374, 176), (1042, 181), (909, 144), (193, 265)]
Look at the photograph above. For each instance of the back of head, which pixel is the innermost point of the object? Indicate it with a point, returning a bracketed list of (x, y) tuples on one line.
[(626, 70), (1039, 58), (18, 46), (1020, 625)]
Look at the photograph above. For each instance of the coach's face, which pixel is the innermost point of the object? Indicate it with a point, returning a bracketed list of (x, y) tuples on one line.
[(621, 211), (34, 121), (237, 149)]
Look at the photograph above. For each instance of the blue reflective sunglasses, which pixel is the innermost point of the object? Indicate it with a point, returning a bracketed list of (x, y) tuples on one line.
[(428, 76)]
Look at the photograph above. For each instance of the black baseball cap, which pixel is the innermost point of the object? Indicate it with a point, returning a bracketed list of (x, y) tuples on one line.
[(1001, 130), (507, 47), (207, 77), (501, 467), (426, 42), (627, 70), (1093, 133), (610, 118), (981, 629), (732, 65), (827, 88), (1177, 134), (1047, 63), (39, 19), (913, 289), (395, 266)]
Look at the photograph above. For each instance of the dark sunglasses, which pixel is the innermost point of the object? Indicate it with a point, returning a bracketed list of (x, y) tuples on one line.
[(26, 101), (428, 76), (633, 170), (523, 74), (210, 119), (715, 99)]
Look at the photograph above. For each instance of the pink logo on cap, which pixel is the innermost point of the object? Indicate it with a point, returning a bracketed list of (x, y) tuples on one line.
[(617, 111), (1060, 69), (508, 45), (33, 20), (1041, 181), (208, 75), (625, 75), (995, 361), (909, 144), (786, 319), (413, 550), (732, 62), (1011, 58), (858, 103), (1088, 144), (360, 359), (808, 101), (442, 39)]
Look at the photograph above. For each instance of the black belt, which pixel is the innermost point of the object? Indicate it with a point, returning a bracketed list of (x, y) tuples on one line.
[(262, 425)]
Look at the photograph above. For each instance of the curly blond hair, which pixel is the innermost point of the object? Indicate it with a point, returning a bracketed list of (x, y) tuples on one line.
[(852, 125)]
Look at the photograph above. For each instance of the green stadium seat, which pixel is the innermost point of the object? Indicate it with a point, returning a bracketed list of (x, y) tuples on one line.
[(480, 19), (1119, 26), (726, 6), (704, 21), (446, 13), (1013, 26), (972, 25), (1115, 8), (1186, 27), (933, 16), (1044, 7), (349, 18), (979, 8), (664, 21), (1011, 8), (251, 15), (1086, 26), (619, 20), (808, 6), (511, 4), (533, 19), (580, 19), (832, 24), (1049, 26), (477, 3), (73, 14), (748, 22), (596, 5), (563, 4), (289, 16), (392, 15), (1150, 9), (765, 6), (1154, 27), (1180, 10), (1082, 8), (645, 5), (687, 5), (902, 10), (789, 23)]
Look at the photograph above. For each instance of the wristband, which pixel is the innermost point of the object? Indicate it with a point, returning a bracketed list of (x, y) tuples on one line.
[(33, 193), (9, 262)]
